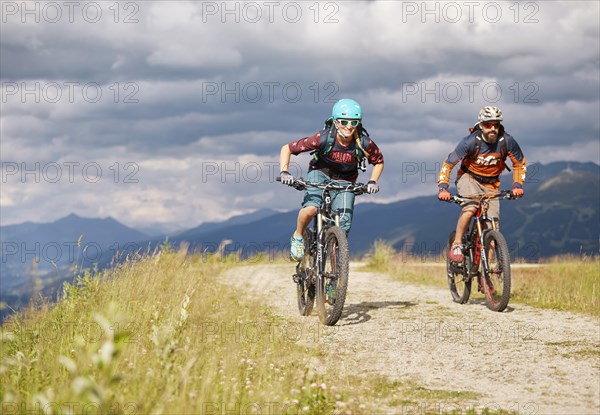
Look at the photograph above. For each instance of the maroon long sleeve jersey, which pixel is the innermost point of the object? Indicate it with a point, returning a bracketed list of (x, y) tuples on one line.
[(341, 163)]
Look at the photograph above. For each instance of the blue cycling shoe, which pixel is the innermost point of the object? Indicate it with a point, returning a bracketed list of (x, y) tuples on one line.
[(297, 248)]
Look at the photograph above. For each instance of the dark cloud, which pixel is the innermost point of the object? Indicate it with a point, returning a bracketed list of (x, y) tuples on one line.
[(183, 85)]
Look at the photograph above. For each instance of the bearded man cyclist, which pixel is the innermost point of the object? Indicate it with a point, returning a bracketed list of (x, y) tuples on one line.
[(339, 150), (483, 154)]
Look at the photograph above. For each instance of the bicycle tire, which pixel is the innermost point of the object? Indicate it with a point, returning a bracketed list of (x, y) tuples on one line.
[(305, 287), (333, 285), (459, 280), (305, 292), (497, 281)]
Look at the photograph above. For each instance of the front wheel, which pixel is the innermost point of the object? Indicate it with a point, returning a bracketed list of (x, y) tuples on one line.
[(459, 279), (333, 284), (496, 281)]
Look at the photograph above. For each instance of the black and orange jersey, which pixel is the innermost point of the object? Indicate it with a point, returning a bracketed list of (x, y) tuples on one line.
[(485, 161), (341, 162)]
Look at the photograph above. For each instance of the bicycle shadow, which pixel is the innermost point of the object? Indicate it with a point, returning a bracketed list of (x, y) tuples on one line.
[(359, 313), (481, 301)]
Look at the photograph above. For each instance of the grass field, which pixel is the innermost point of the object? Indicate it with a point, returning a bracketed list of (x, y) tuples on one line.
[(563, 283), (159, 334)]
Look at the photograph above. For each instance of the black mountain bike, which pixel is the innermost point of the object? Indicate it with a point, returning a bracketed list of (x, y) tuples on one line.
[(323, 272), (486, 257)]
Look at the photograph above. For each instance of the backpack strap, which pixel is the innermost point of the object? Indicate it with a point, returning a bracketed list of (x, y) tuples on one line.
[(475, 153), (479, 140), (504, 149), (327, 141)]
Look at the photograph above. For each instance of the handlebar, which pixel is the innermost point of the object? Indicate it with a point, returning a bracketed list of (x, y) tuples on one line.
[(301, 184), (503, 194)]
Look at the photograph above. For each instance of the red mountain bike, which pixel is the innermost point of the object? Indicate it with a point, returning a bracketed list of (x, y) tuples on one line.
[(485, 254)]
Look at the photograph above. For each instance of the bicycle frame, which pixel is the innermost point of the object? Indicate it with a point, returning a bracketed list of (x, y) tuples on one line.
[(476, 252), (324, 214), (325, 217)]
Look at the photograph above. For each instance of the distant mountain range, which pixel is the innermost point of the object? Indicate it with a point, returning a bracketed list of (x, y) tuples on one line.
[(37, 257), (558, 215)]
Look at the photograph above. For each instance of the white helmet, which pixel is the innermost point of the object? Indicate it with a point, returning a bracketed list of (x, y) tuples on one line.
[(490, 114)]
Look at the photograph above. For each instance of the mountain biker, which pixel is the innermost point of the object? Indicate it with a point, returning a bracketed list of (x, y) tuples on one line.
[(483, 154), (338, 150)]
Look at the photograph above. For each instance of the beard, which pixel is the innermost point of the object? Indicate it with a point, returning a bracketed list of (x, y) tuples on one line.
[(490, 137)]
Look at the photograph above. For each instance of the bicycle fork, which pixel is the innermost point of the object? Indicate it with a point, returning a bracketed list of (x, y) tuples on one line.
[(480, 260)]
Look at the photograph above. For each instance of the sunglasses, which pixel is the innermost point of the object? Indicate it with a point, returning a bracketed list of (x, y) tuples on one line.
[(353, 123), (490, 125)]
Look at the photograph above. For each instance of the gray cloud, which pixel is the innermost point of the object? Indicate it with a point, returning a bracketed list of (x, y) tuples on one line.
[(182, 86)]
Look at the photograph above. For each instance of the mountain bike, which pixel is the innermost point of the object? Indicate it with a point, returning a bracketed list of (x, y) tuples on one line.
[(485, 256), (322, 274)]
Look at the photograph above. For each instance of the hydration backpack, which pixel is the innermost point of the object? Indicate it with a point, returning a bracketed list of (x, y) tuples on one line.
[(327, 142), (478, 140)]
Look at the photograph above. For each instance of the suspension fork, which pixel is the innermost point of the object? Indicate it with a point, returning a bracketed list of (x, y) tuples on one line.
[(319, 242), (481, 249)]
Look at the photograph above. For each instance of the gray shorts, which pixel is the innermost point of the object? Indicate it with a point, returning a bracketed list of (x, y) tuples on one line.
[(468, 186)]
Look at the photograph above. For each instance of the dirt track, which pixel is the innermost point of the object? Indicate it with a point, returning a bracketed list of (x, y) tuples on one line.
[(526, 360)]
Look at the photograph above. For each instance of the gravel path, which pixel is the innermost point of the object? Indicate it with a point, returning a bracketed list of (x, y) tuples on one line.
[(527, 360)]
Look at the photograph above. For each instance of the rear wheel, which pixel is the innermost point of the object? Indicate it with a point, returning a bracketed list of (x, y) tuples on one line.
[(496, 281), (305, 288), (459, 280), (306, 294), (332, 287)]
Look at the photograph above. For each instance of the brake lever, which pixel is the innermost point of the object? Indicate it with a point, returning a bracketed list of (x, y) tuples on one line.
[(508, 195)]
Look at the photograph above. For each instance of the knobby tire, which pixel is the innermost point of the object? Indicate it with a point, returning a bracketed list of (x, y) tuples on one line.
[(496, 284), (458, 276), (305, 289), (336, 263)]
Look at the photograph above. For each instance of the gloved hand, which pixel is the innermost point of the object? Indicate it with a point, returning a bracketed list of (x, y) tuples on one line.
[(286, 178), (444, 195), (372, 187), (517, 192)]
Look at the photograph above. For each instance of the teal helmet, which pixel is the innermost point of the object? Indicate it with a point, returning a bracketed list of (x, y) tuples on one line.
[(346, 108)]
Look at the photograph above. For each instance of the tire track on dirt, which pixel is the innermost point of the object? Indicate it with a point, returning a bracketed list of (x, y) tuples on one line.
[(527, 360)]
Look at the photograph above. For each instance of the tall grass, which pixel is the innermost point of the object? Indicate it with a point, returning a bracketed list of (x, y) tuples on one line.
[(564, 283), (161, 335)]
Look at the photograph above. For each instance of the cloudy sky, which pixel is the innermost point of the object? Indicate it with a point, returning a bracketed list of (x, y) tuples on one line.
[(173, 114)]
